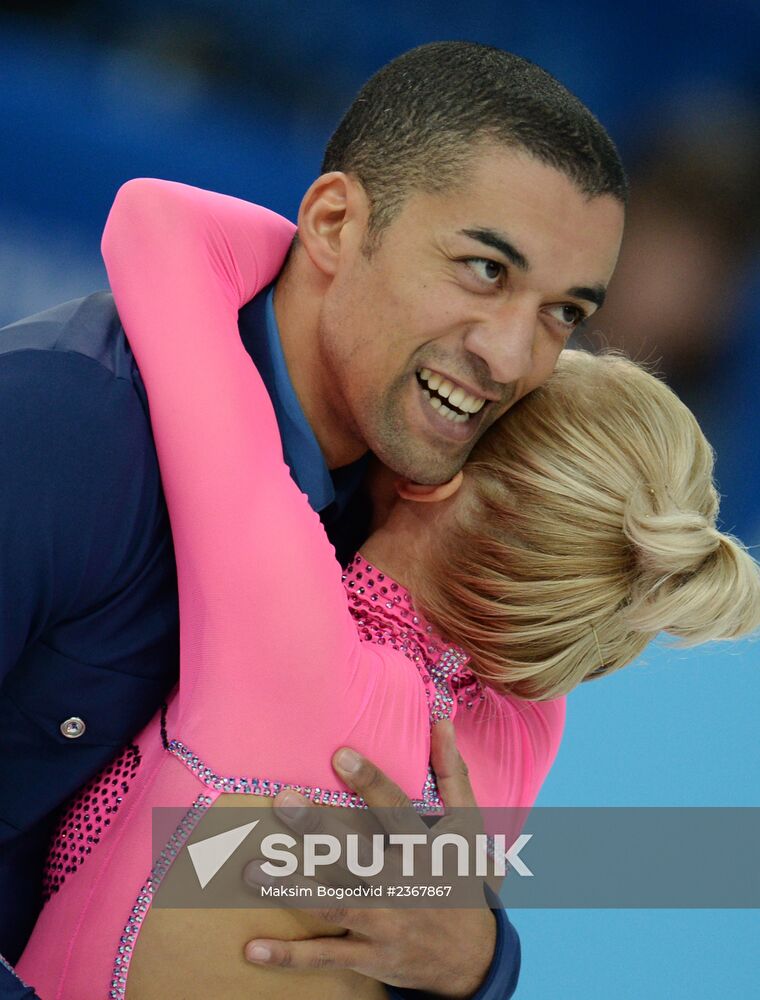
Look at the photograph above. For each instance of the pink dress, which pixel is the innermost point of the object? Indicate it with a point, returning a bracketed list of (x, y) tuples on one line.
[(284, 658)]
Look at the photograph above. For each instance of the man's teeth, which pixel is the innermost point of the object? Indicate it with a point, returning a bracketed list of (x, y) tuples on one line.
[(456, 418), (456, 396)]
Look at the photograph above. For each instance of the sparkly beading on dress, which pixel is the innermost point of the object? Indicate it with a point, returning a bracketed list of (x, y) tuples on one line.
[(277, 668), (258, 786), (84, 822), (145, 896), (384, 612), (429, 803)]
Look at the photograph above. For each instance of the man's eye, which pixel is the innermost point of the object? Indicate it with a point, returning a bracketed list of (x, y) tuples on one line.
[(568, 315), (489, 271)]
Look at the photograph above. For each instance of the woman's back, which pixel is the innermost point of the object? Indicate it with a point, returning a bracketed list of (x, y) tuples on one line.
[(282, 660), (99, 924)]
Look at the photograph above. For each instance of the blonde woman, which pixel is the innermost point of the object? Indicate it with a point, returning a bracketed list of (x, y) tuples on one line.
[(583, 525)]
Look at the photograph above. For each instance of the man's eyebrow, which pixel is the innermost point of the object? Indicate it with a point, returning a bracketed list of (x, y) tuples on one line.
[(595, 294), (498, 242)]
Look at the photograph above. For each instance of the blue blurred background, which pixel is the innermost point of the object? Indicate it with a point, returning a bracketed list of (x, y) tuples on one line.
[(241, 98)]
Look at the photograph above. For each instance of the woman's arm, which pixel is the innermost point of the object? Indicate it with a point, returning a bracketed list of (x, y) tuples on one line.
[(510, 746), (267, 642)]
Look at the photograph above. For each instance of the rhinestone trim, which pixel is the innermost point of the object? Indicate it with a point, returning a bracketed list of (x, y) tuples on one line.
[(384, 614), (142, 904), (430, 801), (85, 821)]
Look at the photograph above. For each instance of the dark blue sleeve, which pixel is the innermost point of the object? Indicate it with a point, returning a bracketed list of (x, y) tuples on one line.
[(501, 981), (87, 596), (75, 495), (11, 987)]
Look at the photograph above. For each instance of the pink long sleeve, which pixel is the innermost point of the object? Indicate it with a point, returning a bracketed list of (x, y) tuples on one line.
[(272, 670), (273, 675)]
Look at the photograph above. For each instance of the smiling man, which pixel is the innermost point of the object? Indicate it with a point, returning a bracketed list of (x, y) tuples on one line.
[(467, 219), (416, 338)]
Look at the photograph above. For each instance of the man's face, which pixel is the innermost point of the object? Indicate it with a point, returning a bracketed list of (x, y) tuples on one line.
[(462, 308)]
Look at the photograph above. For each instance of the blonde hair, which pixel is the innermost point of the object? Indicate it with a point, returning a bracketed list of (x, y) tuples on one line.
[(589, 526)]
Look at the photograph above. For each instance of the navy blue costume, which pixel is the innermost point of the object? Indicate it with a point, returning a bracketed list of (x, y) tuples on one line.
[(88, 587)]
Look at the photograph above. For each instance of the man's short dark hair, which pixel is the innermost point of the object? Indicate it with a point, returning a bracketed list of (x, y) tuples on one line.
[(416, 123)]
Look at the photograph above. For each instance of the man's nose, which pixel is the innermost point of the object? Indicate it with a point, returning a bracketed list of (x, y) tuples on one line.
[(506, 341)]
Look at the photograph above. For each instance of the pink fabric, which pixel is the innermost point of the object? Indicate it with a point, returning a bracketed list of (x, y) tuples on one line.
[(281, 661)]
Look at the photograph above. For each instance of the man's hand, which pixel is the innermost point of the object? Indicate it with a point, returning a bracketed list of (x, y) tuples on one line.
[(444, 952)]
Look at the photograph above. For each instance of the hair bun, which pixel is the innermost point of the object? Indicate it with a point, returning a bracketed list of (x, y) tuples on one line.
[(667, 541), (589, 528), (692, 581)]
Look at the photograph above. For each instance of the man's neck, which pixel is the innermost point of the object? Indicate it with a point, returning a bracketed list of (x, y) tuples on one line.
[(297, 309)]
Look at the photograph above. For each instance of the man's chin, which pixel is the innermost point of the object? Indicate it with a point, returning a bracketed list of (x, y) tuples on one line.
[(422, 464), (424, 448)]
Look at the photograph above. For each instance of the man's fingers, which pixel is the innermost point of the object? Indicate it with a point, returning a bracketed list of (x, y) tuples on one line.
[(297, 812), (303, 816), (394, 808), (312, 954), (377, 790), (450, 769)]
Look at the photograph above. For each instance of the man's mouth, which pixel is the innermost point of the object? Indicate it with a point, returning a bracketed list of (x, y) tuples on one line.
[(449, 399)]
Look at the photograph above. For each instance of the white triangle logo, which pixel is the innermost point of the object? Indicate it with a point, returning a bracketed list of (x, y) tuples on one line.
[(210, 854)]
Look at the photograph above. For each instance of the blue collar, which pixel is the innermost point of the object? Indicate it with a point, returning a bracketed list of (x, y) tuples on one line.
[(261, 338)]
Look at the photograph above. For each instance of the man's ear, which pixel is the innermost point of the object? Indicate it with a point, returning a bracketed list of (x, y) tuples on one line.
[(421, 493), (334, 203)]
